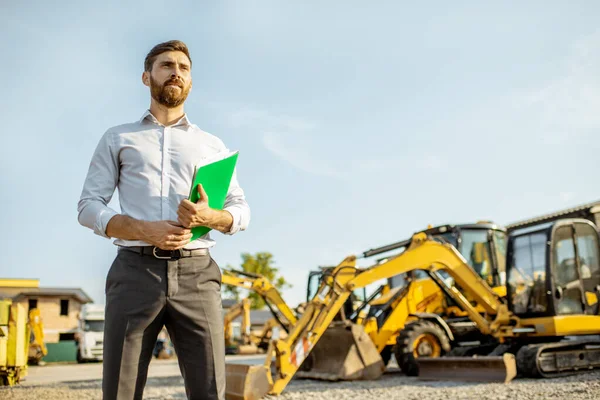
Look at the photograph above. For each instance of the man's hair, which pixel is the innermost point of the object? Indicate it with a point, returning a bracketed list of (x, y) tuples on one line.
[(171, 45)]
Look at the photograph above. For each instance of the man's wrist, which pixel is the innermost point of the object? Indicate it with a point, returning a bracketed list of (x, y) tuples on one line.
[(216, 219), (211, 218), (126, 228)]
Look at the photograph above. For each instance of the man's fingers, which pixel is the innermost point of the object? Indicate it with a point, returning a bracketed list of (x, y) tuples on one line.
[(176, 244), (177, 238), (188, 205), (184, 221), (202, 193), (176, 228), (181, 216)]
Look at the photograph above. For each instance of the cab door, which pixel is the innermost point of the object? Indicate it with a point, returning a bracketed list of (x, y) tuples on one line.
[(568, 288), (588, 258)]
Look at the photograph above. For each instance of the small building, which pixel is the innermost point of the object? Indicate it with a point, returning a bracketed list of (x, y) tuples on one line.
[(59, 307)]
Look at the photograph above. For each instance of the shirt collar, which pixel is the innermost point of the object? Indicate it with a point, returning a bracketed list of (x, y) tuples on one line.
[(183, 121)]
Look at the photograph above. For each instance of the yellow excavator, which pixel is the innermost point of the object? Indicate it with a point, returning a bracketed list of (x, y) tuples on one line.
[(434, 324), (283, 315), (250, 342), (37, 346), (548, 300), (550, 324), (245, 346)]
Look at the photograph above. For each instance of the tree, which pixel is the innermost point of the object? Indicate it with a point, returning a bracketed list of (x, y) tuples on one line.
[(260, 263)]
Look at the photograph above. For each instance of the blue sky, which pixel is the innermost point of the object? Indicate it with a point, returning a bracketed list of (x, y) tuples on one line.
[(356, 124)]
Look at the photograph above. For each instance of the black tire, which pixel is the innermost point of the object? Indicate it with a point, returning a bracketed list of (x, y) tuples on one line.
[(405, 344), (80, 360), (386, 354), (527, 359)]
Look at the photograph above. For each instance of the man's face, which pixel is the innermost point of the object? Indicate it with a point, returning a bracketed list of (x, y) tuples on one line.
[(170, 80)]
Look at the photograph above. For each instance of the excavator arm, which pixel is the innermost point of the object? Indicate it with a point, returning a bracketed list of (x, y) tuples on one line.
[(336, 287), (37, 347), (281, 311), (240, 309)]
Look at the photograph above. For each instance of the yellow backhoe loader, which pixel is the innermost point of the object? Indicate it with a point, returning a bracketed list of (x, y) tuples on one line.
[(283, 316), (434, 323), (534, 320), (245, 346)]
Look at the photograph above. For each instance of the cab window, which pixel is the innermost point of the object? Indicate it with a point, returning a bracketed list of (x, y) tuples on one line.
[(527, 279)]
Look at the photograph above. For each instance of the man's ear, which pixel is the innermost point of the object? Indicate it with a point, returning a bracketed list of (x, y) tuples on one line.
[(146, 78)]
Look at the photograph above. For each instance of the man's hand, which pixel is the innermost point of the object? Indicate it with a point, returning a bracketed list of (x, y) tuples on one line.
[(166, 235), (191, 215)]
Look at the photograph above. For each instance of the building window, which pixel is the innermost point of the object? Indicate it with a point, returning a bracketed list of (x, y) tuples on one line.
[(32, 304), (66, 336), (64, 307)]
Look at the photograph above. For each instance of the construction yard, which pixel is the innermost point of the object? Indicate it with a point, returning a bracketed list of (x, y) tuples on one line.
[(81, 382)]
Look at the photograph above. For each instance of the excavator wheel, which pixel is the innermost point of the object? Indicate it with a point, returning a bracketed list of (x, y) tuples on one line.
[(419, 339)]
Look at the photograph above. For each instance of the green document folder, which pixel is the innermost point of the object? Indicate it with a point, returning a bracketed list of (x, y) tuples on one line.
[(215, 178)]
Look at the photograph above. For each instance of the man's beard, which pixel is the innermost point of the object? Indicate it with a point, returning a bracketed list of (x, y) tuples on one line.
[(167, 96)]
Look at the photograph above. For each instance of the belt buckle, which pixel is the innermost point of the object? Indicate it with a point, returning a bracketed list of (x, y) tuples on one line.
[(170, 257)]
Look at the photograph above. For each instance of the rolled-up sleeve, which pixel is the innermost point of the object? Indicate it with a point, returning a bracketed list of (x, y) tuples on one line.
[(236, 205), (99, 187)]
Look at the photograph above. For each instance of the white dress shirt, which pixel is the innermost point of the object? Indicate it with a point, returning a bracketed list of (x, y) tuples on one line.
[(152, 165)]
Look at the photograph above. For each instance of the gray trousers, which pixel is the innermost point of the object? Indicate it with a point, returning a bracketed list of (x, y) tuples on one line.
[(143, 294)]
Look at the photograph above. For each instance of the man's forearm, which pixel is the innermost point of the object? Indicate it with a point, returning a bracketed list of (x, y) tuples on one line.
[(126, 228), (220, 220)]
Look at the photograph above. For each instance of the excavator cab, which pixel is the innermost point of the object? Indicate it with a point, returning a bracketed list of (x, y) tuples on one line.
[(482, 244), (559, 279)]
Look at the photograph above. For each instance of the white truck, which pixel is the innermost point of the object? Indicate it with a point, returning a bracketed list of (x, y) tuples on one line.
[(90, 333)]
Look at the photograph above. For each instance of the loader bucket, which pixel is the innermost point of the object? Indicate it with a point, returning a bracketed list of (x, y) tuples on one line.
[(472, 369), (246, 382), (344, 352)]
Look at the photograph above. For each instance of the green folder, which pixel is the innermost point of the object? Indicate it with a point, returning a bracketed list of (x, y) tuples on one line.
[(215, 178)]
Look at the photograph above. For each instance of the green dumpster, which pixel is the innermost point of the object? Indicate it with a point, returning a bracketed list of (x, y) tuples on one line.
[(62, 351)]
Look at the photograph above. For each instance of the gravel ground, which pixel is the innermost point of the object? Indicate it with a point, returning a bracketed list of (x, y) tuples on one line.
[(392, 385)]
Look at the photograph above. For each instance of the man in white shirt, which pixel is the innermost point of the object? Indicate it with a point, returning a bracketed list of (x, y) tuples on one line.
[(160, 277)]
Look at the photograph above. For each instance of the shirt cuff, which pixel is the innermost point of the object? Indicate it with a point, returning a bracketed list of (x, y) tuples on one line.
[(237, 219), (102, 222)]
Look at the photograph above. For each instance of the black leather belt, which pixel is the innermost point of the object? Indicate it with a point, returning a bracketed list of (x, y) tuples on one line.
[(165, 254)]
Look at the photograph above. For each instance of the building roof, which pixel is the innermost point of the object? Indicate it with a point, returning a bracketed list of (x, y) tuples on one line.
[(17, 293), (259, 317), (228, 303), (581, 211), (19, 282)]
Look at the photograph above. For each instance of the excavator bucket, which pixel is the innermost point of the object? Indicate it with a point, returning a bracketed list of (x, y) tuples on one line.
[(472, 369), (246, 382), (344, 352)]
